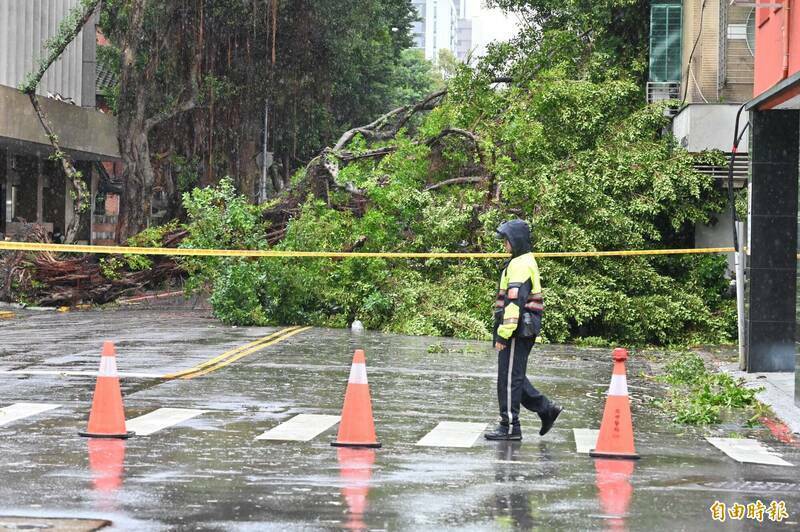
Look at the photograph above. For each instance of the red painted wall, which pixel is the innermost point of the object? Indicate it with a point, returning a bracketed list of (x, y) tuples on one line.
[(770, 34)]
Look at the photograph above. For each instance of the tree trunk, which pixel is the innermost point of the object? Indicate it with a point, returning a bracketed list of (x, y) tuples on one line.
[(138, 179)]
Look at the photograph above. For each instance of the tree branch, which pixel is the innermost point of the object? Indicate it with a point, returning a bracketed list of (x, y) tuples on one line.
[(68, 29), (186, 105), (73, 175), (456, 181), (347, 156)]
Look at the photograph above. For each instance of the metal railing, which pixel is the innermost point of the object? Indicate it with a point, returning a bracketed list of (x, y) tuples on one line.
[(663, 90)]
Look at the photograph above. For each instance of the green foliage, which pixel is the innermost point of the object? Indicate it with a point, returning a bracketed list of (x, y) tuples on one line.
[(152, 237), (698, 397), (220, 218), (609, 180), (570, 147), (111, 267), (413, 78)]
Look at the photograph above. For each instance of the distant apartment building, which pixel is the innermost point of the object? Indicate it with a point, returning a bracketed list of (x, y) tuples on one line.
[(33, 189), (437, 28), (702, 54), (464, 40)]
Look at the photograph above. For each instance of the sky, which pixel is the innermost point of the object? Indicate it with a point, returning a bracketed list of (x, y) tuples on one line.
[(489, 25)]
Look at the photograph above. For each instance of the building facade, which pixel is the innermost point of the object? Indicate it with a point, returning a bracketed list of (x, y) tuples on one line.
[(34, 190), (774, 115), (437, 28), (702, 54)]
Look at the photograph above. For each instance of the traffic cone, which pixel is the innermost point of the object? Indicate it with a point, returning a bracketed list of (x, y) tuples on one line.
[(357, 428), (616, 431), (107, 418)]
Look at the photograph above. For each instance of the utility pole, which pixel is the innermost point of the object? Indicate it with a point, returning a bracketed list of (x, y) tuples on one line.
[(262, 184)]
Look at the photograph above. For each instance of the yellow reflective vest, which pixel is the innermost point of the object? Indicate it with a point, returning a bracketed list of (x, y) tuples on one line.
[(518, 272)]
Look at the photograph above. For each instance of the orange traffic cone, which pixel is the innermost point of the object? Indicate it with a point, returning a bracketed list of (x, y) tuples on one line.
[(107, 418), (357, 428), (616, 431)]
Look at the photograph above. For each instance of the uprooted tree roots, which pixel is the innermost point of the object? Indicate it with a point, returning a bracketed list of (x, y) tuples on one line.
[(51, 279)]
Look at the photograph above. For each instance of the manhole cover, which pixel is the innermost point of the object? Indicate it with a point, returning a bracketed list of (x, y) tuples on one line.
[(52, 523)]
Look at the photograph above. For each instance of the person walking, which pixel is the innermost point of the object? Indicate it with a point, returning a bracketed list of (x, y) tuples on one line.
[(518, 320)]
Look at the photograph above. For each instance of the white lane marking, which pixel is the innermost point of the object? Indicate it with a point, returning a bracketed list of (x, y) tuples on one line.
[(453, 434), (748, 451), (19, 411), (121, 374), (585, 440), (160, 419), (302, 427), (619, 385)]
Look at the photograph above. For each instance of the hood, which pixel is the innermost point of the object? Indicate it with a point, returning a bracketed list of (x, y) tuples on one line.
[(518, 232)]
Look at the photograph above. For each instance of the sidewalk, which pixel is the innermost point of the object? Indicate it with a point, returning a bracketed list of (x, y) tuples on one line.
[(778, 392)]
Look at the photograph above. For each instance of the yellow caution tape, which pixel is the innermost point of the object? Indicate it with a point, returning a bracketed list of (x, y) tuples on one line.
[(185, 252)]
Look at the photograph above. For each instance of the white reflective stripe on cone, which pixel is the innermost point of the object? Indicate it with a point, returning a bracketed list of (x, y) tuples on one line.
[(358, 374), (108, 367), (619, 385)]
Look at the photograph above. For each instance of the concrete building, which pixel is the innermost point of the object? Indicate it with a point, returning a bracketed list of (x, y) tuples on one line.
[(437, 28), (702, 53), (774, 115), (33, 190), (464, 41)]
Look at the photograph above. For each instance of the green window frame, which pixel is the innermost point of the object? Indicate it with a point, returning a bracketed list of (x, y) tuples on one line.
[(666, 36)]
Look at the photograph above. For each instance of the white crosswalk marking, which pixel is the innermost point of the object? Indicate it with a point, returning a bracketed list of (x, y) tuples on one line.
[(160, 419), (585, 440), (453, 434), (19, 411), (748, 451), (302, 427)]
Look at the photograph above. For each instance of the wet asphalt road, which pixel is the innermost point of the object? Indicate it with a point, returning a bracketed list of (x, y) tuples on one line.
[(210, 473)]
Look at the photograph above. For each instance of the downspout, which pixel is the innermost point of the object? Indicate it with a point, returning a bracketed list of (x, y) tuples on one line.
[(786, 26)]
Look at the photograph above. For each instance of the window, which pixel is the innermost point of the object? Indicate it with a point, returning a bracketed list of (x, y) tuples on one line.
[(665, 41)]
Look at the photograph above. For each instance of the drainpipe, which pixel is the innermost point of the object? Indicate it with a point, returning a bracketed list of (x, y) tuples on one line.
[(786, 26)]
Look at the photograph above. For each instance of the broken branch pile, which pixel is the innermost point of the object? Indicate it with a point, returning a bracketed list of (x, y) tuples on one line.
[(50, 279)]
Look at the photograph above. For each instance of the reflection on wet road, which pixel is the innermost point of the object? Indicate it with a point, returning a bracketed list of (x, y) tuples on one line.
[(210, 468)]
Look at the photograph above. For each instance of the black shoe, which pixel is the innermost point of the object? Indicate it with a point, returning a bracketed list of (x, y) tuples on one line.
[(549, 418), (501, 433)]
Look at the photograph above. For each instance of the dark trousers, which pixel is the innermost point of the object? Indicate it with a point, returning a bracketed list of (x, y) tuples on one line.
[(513, 387)]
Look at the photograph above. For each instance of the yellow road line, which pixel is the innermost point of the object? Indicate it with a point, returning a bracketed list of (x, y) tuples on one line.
[(247, 352), (117, 250), (243, 354), (229, 353)]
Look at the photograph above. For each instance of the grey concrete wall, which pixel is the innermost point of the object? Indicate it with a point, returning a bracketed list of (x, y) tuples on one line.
[(24, 26), (718, 235), (701, 127), (87, 134)]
